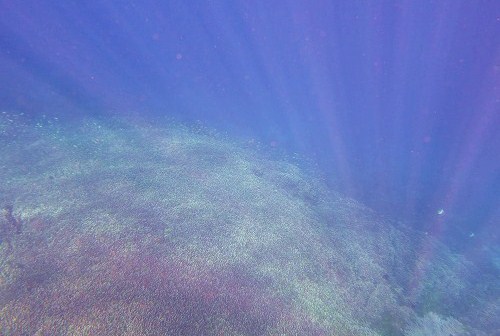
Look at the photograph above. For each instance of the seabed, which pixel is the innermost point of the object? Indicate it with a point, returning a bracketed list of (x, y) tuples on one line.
[(115, 227)]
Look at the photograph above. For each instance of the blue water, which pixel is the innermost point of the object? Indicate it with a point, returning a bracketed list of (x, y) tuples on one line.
[(395, 103)]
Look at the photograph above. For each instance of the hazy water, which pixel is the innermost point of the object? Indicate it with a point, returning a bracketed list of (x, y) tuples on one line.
[(327, 168)]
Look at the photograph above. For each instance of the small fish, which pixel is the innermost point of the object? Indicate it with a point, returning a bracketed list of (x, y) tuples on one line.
[(440, 212)]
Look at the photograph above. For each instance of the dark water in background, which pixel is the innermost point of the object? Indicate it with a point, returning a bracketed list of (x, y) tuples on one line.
[(396, 102)]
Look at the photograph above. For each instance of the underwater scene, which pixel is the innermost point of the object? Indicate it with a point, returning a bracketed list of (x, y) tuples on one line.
[(250, 168)]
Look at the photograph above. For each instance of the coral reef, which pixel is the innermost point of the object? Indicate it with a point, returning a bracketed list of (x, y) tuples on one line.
[(139, 230), (434, 325)]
